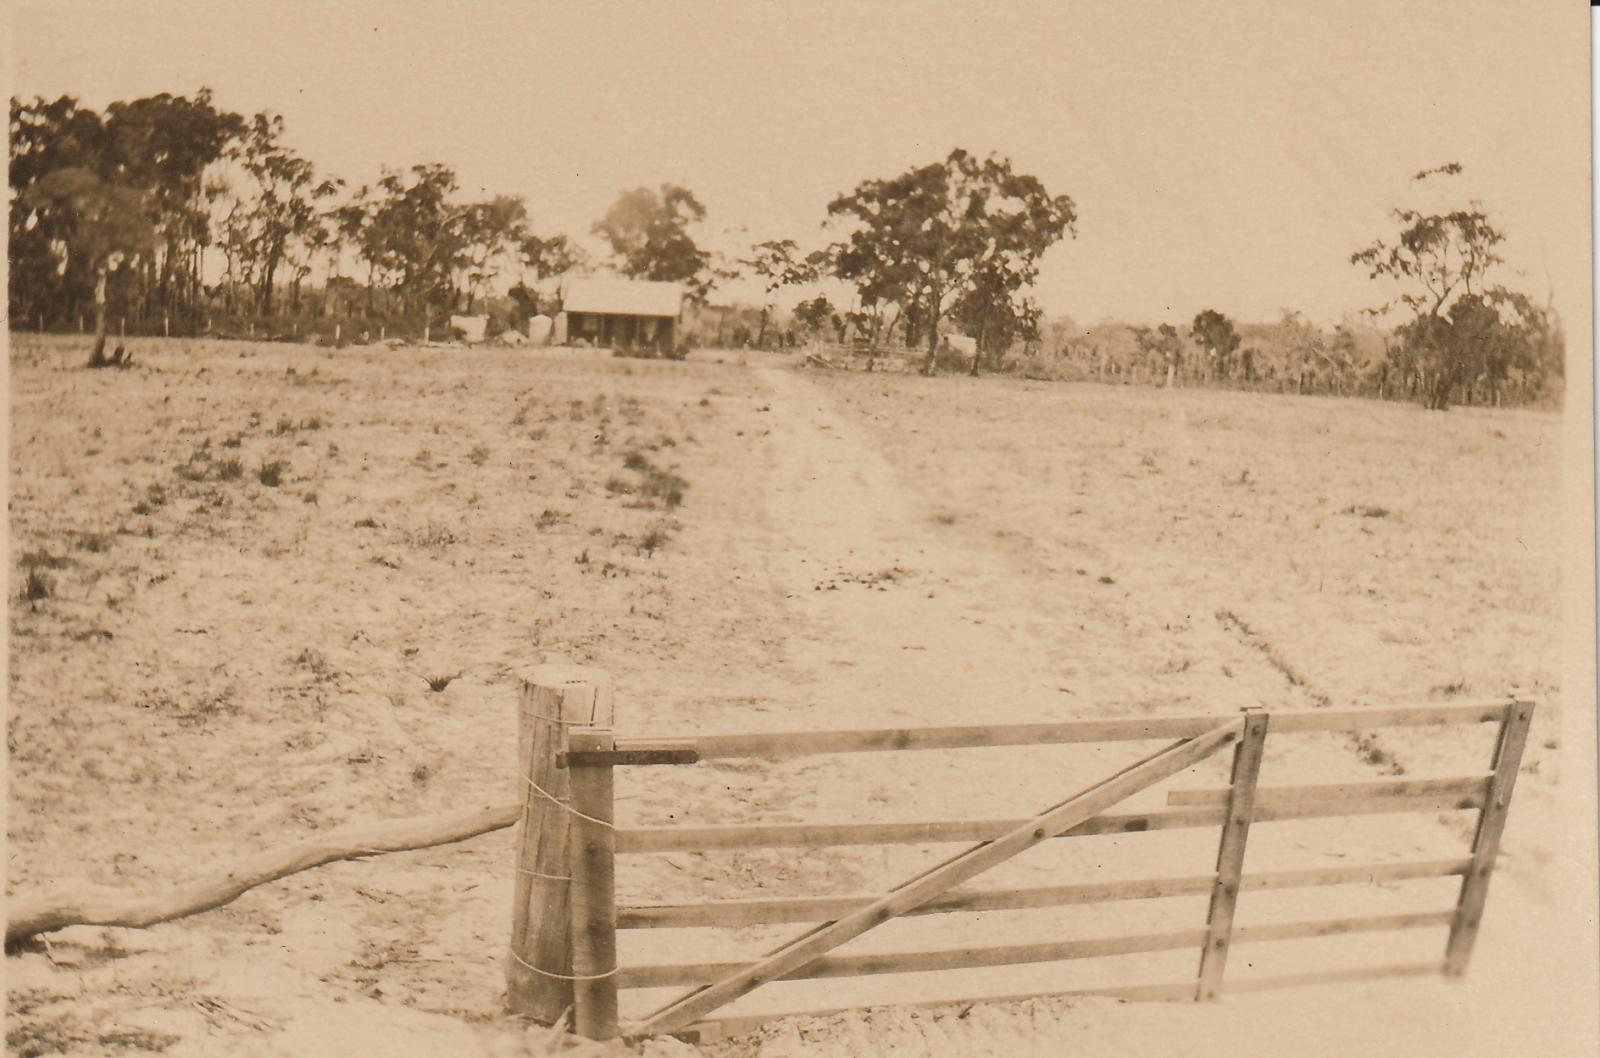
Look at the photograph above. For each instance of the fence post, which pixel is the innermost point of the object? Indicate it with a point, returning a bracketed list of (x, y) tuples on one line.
[(539, 968), (1486, 843), (593, 924), (1230, 853)]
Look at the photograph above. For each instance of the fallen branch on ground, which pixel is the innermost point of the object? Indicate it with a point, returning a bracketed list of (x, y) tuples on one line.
[(30, 916)]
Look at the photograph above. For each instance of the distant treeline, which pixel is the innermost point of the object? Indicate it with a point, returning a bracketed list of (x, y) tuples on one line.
[(1292, 355), (169, 215)]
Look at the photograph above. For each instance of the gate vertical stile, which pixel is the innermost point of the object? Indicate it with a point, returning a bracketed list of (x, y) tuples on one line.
[(1230, 854), (594, 892), (1486, 840)]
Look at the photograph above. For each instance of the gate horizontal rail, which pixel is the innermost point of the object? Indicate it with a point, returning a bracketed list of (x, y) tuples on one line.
[(737, 913), (723, 836), (592, 978), (1466, 785), (777, 744), (656, 976)]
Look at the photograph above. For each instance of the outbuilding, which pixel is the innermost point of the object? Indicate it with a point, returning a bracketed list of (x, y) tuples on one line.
[(611, 311)]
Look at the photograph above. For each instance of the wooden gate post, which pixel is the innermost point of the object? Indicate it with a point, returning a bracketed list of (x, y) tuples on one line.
[(1230, 853), (593, 926), (1486, 843), (539, 974)]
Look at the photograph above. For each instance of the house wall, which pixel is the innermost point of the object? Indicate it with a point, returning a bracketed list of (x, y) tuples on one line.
[(604, 329)]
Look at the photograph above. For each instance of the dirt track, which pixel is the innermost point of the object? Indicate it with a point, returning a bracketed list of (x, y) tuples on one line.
[(852, 552)]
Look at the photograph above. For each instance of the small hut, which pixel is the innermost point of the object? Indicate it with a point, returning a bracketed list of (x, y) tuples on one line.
[(610, 311)]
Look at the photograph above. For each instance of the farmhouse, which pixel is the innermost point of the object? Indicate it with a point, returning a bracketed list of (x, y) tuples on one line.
[(610, 311)]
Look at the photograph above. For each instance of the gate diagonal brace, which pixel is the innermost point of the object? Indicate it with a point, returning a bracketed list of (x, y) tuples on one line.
[(917, 891)]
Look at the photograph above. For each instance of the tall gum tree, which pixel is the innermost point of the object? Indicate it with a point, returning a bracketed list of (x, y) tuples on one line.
[(1437, 259), (109, 225), (164, 145), (47, 136), (648, 232), (1214, 334), (940, 231), (778, 263)]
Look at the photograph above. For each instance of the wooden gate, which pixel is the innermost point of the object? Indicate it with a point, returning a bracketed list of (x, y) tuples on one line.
[(569, 844)]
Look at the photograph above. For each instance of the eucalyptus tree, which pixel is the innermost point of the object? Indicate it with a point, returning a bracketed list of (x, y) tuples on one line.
[(937, 232), (648, 232), (778, 264), (1432, 261), (99, 226)]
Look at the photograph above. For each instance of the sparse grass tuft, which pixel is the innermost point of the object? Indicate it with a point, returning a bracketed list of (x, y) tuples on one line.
[(657, 487), (94, 543), (439, 683), (155, 497), (37, 586), (478, 456), (287, 426), (312, 659), (668, 488), (198, 466), (655, 537), (271, 474), (44, 560), (435, 536)]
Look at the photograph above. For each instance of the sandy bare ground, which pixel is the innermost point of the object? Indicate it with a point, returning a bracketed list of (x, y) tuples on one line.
[(850, 551)]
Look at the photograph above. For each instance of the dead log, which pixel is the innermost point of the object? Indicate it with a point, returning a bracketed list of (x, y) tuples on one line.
[(32, 915)]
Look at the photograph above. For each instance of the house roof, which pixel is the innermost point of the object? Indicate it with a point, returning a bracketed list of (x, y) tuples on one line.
[(623, 297)]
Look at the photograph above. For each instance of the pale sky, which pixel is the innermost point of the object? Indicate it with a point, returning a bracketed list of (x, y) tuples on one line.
[(1223, 155)]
